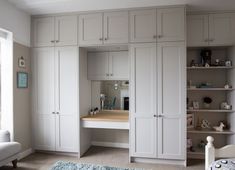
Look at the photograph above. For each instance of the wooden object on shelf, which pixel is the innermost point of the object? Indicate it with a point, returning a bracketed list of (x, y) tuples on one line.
[(107, 119), (108, 115)]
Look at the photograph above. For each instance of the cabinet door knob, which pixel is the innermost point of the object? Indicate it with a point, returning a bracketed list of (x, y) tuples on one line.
[(57, 113), (53, 112), (111, 74), (106, 39), (107, 74), (206, 40), (101, 39), (155, 116), (154, 36), (159, 36), (52, 41), (57, 41)]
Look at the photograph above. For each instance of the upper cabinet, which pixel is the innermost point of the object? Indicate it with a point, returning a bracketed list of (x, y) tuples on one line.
[(103, 28), (55, 31), (108, 28), (170, 24), (108, 65), (209, 30), (143, 25), (66, 30), (167, 24), (43, 32), (91, 29), (118, 65), (115, 27), (220, 29), (98, 66), (197, 30)]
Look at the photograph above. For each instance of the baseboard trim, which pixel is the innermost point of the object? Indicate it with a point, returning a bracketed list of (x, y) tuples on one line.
[(25, 153), (75, 154), (110, 144), (159, 161)]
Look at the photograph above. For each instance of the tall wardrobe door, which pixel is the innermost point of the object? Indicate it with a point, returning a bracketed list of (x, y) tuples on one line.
[(67, 99), (43, 99), (143, 104), (172, 100)]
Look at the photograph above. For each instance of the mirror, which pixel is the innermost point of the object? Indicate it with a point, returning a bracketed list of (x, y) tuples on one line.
[(110, 95)]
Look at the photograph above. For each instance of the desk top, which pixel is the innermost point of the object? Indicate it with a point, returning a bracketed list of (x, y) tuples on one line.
[(109, 116)]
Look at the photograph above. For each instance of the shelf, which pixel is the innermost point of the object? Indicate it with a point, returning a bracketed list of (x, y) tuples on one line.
[(209, 68), (210, 132), (197, 151), (211, 111), (198, 154), (209, 89)]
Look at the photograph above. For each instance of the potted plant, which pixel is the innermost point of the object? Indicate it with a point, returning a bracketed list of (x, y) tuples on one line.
[(207, 102)]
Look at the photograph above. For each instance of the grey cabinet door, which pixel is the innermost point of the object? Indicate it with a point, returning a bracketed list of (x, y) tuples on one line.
[(171, 100), (143, 104)]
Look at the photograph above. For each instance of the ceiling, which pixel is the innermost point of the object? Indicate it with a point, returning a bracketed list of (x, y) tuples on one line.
[(35, 7)]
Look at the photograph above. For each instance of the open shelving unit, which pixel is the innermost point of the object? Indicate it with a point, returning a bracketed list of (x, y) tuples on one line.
[(218, 77)]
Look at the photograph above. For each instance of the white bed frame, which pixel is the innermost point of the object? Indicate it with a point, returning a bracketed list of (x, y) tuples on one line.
[(211, 153)]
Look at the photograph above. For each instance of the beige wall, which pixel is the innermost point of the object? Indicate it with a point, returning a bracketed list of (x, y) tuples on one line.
[(22, 102), (110, 135)]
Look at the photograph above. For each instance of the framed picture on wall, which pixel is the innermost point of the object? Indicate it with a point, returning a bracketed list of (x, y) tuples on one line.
[(22, 80)]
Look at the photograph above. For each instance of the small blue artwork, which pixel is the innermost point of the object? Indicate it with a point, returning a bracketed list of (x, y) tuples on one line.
[(22, 80)]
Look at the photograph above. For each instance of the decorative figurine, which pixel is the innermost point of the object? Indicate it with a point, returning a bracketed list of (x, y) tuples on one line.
[(227, 86), (228, 63), (206, 57), (217, 62), (225, 106), (192, 64), (207, 102), (205, 124), (202, 144), (207, 65), (219, 128)]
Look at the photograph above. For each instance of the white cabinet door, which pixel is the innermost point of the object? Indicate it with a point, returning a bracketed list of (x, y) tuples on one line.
[(43, 105), (220, 29), (118, 65), (66, 30), (98, 66), (115, 27), (172, 100), (170, 24), (43, 32), (143, 105), (67, 99), (91, 29), (197, 30), (143, 26)]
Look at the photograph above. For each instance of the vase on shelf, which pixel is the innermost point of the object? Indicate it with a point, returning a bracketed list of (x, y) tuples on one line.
[(207, 105)]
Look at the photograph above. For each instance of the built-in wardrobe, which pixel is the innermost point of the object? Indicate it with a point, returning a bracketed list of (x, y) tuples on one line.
[(154, 64)]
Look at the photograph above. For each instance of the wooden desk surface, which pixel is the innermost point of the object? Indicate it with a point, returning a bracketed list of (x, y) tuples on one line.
[(109, 116)]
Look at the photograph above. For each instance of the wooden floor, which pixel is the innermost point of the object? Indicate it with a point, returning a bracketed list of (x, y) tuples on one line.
[(96, 155)]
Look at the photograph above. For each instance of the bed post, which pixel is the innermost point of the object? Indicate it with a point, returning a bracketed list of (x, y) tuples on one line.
[(210, 152)]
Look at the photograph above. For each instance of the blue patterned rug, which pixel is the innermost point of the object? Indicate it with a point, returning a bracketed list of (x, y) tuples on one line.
[(61, 165)]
